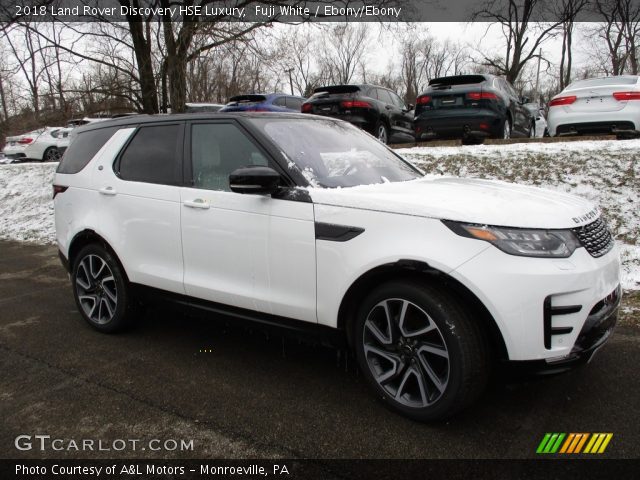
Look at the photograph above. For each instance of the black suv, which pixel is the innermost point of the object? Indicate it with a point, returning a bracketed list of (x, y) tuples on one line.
[(377, 110), (472, 107)]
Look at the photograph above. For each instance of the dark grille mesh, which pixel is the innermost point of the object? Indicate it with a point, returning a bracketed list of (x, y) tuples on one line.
[(595, 237)]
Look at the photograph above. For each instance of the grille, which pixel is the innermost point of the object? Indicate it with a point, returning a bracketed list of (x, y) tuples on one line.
[(595, 237)]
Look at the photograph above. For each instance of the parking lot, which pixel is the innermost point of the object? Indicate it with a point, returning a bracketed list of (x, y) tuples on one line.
[(241, 393)]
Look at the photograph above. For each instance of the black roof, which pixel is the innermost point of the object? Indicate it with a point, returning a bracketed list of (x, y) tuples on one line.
[(134, 120)]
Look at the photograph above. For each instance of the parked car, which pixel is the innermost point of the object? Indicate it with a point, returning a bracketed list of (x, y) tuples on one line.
[(62, 136), (37, 145), (203, 107), (76, 122), (310, 223), (377, 110), (272, 102), (607, 105), (538, 113), (471, 107)]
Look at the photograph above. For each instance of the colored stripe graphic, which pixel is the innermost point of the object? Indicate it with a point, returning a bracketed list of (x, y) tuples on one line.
[(573, 443), (550, 443)]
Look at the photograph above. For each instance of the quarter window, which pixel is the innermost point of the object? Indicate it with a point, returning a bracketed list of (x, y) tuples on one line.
[(217, 149), (83, 148), (153, 156)]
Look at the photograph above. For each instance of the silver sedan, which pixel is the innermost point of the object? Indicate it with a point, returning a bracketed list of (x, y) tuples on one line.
[(608, 105)]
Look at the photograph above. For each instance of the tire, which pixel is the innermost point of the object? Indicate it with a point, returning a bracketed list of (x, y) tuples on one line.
[(51, 154), (431, 361), (382, 132), (101, 290), (506, 129)]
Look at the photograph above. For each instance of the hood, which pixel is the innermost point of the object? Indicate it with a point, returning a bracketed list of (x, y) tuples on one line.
[(486, 202)]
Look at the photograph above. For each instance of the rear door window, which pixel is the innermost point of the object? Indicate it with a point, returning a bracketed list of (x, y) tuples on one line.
[(281, 102), (294, 103), (83, 148), (153, 155)]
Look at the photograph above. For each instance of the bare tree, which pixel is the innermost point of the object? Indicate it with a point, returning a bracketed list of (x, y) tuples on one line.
[(620, 33), (523, 37), (345, 49), (568, 10)]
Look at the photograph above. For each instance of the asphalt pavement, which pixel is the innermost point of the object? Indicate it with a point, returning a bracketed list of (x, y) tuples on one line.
[(239, 393)]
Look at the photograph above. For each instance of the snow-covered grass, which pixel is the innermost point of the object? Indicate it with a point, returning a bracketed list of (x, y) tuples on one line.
[(26, 209), (606, 172)]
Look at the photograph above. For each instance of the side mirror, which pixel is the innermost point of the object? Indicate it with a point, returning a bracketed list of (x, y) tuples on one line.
[(524, 100), (256, 180)]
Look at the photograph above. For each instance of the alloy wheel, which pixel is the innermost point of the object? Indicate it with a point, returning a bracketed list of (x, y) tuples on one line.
[(406, 353), (507, 129), (52, 155), (96, 289), (382, 133)]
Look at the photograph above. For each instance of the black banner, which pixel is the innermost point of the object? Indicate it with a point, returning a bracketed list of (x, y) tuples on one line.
[(320, 469), (295, 11)]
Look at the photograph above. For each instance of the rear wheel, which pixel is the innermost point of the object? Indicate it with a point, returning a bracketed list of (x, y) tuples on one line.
[(382, 132), (101, 290), (420, 351), (51, 154)]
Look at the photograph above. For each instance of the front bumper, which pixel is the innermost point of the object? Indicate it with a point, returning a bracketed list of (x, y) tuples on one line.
[(550, 310)]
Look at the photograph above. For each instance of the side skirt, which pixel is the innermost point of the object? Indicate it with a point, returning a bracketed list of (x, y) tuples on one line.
[(333, 337)]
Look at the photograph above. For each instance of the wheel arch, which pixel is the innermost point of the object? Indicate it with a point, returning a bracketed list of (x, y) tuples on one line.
[(421, 272), (88, 237)]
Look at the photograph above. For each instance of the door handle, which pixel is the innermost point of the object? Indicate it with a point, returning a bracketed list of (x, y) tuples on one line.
[(107, 191), (197, 203)]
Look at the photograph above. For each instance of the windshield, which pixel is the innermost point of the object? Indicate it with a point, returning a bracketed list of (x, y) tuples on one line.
[(335, 154)]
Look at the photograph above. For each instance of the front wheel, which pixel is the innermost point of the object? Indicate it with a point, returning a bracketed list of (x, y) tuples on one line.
[(506, 129), (101, 290), (420, 351)]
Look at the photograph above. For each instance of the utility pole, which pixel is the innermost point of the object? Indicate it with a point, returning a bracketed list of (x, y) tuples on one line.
[(538, 77), (290, 79)]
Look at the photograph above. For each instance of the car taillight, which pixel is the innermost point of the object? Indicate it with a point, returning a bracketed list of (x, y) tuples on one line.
[(307, 108), (481, 96), (58, 189), (355, 104), (621, 96), (25, 141), (423, 100), (556, 102)]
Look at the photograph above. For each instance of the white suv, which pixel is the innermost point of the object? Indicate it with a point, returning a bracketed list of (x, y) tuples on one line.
[(301, 221)]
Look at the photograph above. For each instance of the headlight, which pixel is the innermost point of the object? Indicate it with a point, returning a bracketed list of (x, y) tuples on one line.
[(521, 241)]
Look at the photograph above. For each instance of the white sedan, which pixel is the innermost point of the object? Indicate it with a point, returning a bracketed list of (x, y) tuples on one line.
[(607, 105), (38, 145)]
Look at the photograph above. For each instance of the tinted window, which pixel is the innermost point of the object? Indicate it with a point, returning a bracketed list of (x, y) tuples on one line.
[(83, 148), (217, 149), (385, 96), (397, 101), (152, 156), (281, 102), (294, 103)]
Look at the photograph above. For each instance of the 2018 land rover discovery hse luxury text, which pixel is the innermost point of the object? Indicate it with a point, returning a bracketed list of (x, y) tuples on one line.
[(305, 220)]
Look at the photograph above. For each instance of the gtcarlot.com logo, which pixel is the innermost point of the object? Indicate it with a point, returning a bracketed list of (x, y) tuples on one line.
[(573, 443)]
